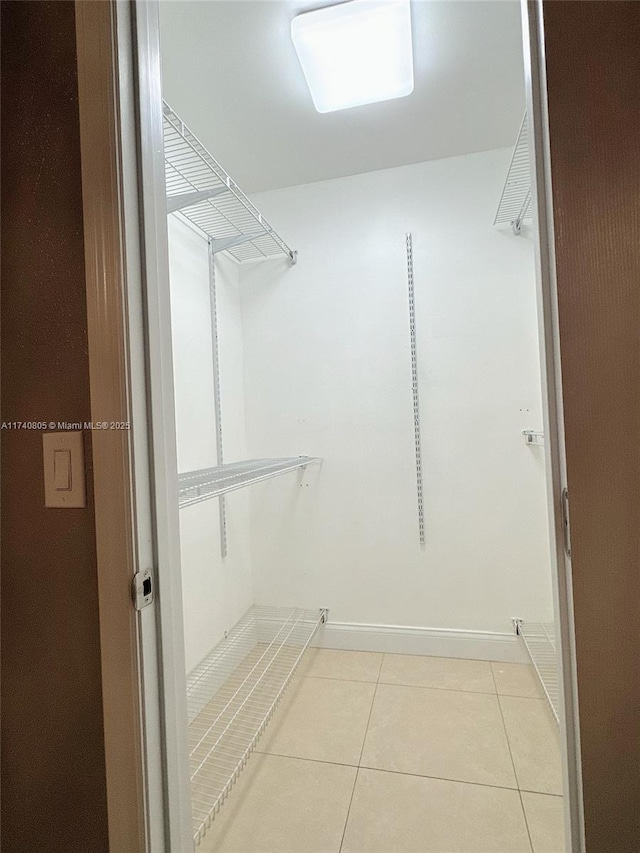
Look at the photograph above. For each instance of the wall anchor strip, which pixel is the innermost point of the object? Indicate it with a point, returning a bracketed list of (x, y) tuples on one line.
[(414, 388), (222, 509)]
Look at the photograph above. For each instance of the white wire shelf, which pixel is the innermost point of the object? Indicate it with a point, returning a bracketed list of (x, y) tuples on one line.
[(540, 642), (207, 483), (232, 694), (203, 192), (515, 201)]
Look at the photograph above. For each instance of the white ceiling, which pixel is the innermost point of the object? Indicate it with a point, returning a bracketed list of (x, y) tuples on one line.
[(230, 71)]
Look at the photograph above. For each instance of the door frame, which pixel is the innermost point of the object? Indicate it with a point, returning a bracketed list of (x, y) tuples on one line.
[(126, 253), (131, 381), (156, 382), (555, 459), (110, 402)]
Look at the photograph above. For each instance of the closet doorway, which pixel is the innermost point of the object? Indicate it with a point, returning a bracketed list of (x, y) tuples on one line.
[(367, 593)]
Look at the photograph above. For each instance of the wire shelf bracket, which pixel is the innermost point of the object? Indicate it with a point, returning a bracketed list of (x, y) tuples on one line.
[(177, 202), (225, 243), (207, 483), (201, 190), (515, 201), (232, 694), (533, 438)]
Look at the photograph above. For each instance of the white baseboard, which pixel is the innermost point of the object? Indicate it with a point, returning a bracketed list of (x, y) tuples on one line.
[(406, 640)]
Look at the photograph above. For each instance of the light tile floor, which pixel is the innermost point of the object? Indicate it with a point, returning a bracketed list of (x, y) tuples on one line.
[(373, 753)]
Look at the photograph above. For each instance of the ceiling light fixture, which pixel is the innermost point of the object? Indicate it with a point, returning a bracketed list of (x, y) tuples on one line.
[(355, 53)]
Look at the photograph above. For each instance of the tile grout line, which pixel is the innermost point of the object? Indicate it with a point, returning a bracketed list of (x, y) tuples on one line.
[(515, 772), (346, 820), (404, 773), (526, 820), (426, 687), (355, 781), (383, 655), (506, 736), (373, 700)]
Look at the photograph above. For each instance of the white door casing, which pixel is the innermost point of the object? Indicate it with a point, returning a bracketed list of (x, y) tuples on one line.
[(148, 330)]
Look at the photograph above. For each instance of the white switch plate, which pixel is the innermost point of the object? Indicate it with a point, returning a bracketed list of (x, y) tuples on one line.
[(64, 450)]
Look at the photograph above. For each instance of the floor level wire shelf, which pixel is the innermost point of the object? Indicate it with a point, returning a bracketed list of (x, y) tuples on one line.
[(540, 642), (232, 694)]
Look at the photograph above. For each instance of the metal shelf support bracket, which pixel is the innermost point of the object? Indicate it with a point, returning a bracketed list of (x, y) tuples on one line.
[(182, 200), (227, 242)]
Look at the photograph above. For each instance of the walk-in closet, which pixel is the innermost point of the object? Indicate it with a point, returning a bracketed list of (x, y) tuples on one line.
[(367, 591)]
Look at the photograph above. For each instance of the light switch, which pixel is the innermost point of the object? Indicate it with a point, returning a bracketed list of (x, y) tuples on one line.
[(64, 469)]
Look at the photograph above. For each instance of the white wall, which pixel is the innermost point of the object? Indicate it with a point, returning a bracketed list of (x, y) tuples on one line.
[(216, 592), (327, 372)]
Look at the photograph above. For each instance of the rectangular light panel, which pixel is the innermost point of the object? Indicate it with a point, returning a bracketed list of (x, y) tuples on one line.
[(355, 53)]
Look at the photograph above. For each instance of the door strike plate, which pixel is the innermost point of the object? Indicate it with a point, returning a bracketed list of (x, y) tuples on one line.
[(142, 589)]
